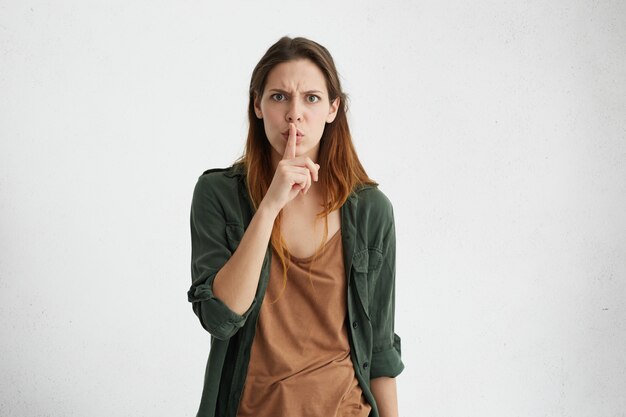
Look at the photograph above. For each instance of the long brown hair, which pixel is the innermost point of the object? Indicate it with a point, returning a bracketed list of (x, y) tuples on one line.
[(340, 169)]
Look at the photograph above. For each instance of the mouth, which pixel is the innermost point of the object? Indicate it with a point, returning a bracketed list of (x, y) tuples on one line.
[(298, 133), (298, 137)]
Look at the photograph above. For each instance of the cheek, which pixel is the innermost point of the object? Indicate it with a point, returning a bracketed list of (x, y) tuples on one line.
[(272, 120), (321, 115)]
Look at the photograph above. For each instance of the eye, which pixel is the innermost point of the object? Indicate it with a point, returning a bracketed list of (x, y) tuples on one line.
[(276, 94), (315, 101)]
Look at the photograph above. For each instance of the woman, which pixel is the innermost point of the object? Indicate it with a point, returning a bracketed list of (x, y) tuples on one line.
[(301, 324)]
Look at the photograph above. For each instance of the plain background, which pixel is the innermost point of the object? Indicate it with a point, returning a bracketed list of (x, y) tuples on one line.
[(496, 128)]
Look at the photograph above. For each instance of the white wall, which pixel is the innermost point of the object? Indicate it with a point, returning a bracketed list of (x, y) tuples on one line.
[(497, 129)]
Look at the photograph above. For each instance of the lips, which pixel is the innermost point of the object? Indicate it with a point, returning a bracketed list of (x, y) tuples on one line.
[(298, 133), (298, 137)]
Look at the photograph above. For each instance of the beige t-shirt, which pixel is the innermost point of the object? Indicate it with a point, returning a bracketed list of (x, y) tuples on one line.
[(300, 357)]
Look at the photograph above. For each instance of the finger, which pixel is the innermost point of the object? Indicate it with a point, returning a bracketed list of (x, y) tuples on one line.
[(301, 182), (300, 171), (290, 148), (308, 183), (297, 175), (311, 166), (303, 172)]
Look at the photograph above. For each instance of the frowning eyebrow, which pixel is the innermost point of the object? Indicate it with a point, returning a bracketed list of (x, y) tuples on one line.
[(305, 92)]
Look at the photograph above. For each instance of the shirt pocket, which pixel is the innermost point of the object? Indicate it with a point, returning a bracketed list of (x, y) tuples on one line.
[(365, 263)]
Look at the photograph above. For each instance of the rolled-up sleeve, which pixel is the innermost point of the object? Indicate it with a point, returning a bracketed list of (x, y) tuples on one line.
[(209, 252), (386, 352)]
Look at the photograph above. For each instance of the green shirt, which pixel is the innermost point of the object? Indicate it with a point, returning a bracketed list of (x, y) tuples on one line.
[(220, 213)]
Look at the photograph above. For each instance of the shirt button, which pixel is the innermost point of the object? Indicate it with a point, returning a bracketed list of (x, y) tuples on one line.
[(354, 325), (365, 365)]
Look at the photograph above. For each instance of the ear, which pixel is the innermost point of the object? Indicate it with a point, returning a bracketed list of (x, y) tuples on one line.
[(257, 108), (332, 113)]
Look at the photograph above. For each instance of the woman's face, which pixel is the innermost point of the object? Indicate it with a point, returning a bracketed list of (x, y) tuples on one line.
[(295, 92)]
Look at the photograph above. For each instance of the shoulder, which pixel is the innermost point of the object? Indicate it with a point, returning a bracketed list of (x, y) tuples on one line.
[(220, 180), (374, 205), (217, 189), (371, 197)]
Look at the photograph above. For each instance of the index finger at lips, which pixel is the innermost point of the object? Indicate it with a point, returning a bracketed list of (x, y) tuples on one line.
[(290, 148)]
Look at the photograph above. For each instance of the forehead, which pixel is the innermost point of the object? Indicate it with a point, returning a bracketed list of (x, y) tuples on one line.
[(300, 75)]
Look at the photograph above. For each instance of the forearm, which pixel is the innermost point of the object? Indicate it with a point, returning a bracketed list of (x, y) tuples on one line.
[(236, 283), (385, 393)]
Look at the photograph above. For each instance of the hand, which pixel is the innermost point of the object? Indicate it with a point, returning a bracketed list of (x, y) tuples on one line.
[(293, 175)]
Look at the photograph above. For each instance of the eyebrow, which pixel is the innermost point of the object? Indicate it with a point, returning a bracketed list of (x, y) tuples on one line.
[(306, 92)]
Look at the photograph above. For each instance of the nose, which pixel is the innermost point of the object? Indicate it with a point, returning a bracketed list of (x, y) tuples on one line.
[(294, 113)]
